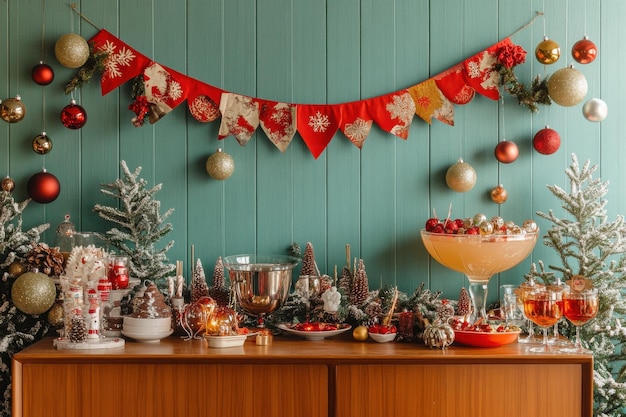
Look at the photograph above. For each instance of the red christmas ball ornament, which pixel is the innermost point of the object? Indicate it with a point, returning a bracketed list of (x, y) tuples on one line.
[(42, 74), (547, 141), (506, 151), (584, 51), (73, 116), (43, 187)]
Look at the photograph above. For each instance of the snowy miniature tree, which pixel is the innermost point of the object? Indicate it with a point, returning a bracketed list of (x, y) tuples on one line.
[(140, 225), (218, 290), (14, 242), (308, 261), (199, 287), (589, 245)]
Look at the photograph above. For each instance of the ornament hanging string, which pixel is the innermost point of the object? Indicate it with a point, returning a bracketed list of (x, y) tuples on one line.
[(74, 7), (43, 30)]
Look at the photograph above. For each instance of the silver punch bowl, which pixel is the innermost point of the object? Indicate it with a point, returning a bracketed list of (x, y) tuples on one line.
[(262, 282)]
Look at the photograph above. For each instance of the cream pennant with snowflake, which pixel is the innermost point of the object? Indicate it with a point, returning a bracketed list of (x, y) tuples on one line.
[(317, 124)]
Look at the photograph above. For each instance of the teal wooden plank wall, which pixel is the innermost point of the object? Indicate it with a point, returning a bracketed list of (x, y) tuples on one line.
[(318, 51)]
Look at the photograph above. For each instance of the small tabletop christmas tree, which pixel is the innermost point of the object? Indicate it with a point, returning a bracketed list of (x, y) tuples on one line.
[(140, 225), (595, 248)]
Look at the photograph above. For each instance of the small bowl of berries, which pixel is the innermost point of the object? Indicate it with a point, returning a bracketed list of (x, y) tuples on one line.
[(382, 333)]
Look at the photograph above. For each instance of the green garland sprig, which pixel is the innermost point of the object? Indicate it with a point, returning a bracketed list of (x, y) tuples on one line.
[(95, 63), (531, 96)]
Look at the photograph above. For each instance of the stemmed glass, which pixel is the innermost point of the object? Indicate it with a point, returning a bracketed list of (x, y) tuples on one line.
[(544, 307), (579, 307), (524, 288)]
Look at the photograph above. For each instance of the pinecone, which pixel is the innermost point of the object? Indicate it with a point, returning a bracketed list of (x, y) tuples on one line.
[(374, 311), (199, 288), (308, 261), (463, 307), (47, 260), (345, 281), (360, 286), (219, 291), (78, 329), (444, 311)]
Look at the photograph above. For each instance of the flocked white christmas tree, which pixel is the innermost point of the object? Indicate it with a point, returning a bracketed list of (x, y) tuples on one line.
[(590, 245), (140, 225)]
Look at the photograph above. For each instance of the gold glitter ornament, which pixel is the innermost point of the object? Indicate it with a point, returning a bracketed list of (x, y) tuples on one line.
[(547, 51), (16, 268), (461, 177), (71, 50), (567, 86), (55, 315), (42, 144), (8, 184), (33, 293), (12, 110), (220, 165)]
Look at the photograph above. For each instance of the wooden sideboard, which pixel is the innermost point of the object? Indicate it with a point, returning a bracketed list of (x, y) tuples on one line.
[(294, 377)]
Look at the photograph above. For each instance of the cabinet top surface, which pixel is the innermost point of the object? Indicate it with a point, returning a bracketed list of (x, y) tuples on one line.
[(286, 349)]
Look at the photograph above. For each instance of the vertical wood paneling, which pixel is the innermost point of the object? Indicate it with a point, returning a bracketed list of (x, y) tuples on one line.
[(300, 51)]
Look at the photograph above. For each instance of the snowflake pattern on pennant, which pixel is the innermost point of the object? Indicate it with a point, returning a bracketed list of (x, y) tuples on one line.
[(358, 131), (116, 59), (319, 122), (402, 108)]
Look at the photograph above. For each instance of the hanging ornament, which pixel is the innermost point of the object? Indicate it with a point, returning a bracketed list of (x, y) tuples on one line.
[(220, 165), (506, 151), (43, 187), (499, 194), (16, 269), (547, 51), (42, 74), (33, 293), (547, 141), (55, 315), (567, 86), (12, 110), (461, 176), (42, 144), (584, 51), (73, 116), (71, 50), (8, 184), (595, 110)]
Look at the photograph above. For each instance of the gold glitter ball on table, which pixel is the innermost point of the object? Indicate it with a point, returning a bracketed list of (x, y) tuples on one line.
[(567, 86), (8, 184), (71, 50), (220, 165), (12, 110), (42, 144), (461, 177), (33, 293), (499, 194), (547, 51)]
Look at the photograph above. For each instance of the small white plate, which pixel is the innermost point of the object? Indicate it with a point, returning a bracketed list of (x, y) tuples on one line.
[(147, 338), (312, 335), (226, 341)]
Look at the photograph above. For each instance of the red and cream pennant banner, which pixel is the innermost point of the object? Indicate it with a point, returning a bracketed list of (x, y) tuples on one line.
[(317, 124)]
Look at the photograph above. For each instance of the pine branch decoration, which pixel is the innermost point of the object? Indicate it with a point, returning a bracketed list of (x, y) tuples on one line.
[(140, 225), (95, 63)]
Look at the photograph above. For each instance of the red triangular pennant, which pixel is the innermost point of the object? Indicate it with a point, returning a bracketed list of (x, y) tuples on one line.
[(317, 125), (356, 122), (393, 112), (480, 74), (122, 62), (278, 121)]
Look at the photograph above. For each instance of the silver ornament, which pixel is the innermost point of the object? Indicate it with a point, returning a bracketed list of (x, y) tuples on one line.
[(595, 110)]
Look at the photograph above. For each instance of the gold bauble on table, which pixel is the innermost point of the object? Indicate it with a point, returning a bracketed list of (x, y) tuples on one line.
[(71, 50), (567, 86), (360, 333), (42, 144), (547, 51), (33, 293), (220, 165), (12, 110), (461, 176)]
